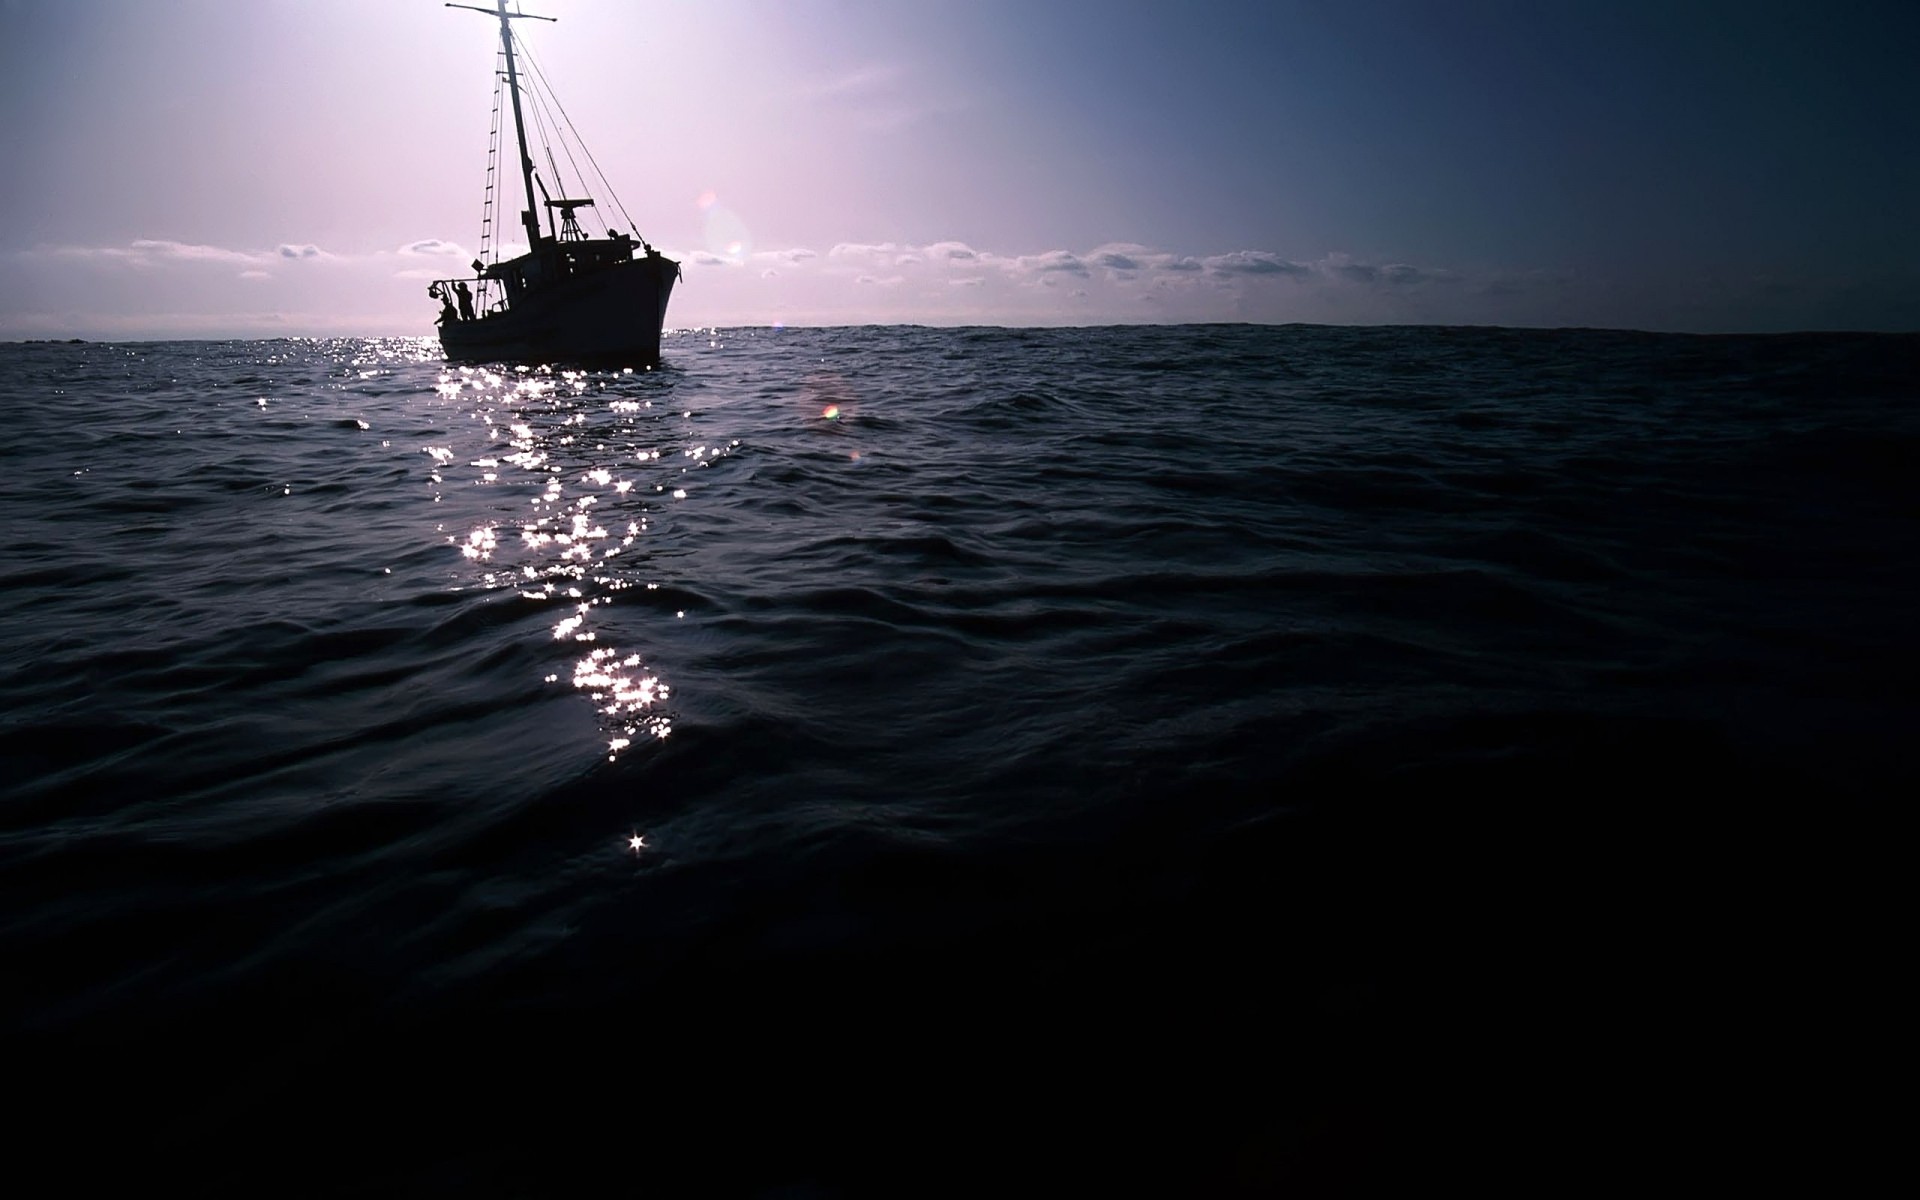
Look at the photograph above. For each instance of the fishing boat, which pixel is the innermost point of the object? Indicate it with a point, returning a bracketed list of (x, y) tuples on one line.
[(572, 297)]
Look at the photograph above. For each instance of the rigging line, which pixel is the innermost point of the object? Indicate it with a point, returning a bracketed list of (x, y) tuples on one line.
[(493, 158), (578, 174), (489, 242), (546, 146), (605, 183), (584, 148), (546, 143), (543, 91)]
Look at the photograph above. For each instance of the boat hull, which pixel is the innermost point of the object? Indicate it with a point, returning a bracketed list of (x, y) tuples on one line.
[(611, 316)]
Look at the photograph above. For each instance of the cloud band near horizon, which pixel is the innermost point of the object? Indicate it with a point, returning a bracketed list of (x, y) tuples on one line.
[(192, 289)]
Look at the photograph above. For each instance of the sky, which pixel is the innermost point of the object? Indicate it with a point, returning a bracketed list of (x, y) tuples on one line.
[(250, 168)]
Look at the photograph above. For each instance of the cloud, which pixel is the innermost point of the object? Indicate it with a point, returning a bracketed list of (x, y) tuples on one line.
[(172, 288), (158, 252), (1053, 260), (786, 257), (867, 250), (150, 252), (1132, 256), (433, 246), (1388, 275), (1118, 256), (952, 280), (153, 248), (1254, 262), (876, 254)]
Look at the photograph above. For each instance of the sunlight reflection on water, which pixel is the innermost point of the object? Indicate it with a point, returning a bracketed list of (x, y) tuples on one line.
[(580, 466)]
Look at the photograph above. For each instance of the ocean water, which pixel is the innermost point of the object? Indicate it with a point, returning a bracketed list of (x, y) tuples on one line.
[(902, 760)]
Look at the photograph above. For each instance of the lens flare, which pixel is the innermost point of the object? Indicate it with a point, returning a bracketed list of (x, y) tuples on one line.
[(727, 235)]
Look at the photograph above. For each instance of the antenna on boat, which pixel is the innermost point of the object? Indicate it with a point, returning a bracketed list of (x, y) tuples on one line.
[(530, 218)]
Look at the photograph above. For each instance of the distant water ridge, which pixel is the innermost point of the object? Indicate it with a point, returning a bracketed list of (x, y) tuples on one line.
[(960, 703)]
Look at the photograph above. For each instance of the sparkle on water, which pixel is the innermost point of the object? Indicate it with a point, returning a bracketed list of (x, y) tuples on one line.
[(560, 457)]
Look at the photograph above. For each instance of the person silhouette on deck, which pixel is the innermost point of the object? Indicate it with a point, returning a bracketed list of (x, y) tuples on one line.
[(436, 292), (466, 300)]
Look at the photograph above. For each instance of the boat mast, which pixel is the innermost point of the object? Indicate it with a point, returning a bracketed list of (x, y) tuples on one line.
[(530, 218)]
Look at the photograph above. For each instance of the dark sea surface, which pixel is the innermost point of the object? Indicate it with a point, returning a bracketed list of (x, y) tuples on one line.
[(1210, 760)]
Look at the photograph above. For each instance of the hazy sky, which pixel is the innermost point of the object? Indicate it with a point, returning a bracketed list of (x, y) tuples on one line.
[(254, 167)]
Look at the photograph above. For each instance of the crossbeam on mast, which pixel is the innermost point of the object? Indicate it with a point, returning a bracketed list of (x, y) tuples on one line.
[(503, 12)]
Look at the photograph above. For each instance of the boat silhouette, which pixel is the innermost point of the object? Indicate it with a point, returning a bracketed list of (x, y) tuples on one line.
[(571, 297)]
